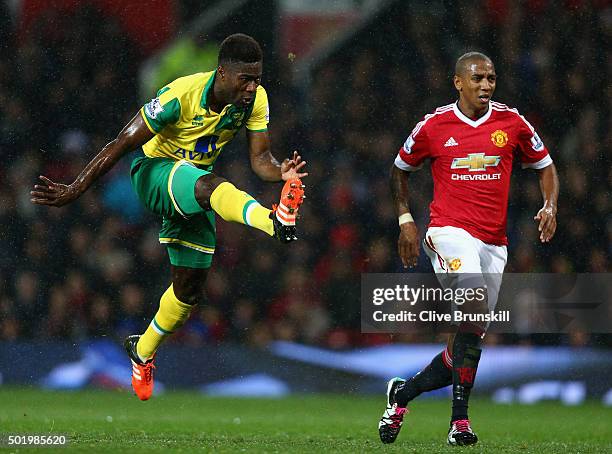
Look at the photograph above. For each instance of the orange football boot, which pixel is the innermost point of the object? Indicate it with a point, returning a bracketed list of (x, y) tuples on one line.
[(142, 373), (285, 213)]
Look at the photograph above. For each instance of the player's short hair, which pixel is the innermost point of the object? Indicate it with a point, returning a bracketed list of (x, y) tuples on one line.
[(467, 57), (240, 48)]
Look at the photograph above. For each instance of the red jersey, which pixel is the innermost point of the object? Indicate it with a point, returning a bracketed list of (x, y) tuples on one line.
[(471, 163)]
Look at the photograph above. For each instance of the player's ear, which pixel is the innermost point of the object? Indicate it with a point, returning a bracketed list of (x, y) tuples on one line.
[(458, 83), (221, 71)]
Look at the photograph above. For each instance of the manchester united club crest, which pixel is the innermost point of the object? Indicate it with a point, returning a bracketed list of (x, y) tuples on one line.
[(499, 138), (454, 264)]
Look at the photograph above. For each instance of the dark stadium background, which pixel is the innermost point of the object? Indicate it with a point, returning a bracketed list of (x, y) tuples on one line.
[(72, 73)]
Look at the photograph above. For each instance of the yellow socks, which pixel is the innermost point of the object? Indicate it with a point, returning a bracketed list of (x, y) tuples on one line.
[(235, 205), (171, 315)]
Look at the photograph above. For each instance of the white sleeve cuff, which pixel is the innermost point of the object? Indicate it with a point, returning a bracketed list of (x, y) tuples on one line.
[(400, 164), (544, 162)]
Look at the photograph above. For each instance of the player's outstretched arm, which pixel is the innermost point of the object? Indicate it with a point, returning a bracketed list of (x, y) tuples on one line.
[(266, 166), (547, 216), (408, 242), (133, 135)]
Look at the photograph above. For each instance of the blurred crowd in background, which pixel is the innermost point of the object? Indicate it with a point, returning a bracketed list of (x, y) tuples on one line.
[(95, 268)]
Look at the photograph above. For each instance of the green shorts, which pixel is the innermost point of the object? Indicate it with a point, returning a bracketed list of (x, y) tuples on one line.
[(167, 188)]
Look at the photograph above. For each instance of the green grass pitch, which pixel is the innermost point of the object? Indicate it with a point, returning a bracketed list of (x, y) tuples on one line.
[(105, 421)]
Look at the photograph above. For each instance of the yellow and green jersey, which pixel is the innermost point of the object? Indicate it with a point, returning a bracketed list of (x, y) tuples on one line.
[(186, 128)]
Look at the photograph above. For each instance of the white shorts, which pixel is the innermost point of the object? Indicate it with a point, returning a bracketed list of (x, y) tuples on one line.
[(454, 251)]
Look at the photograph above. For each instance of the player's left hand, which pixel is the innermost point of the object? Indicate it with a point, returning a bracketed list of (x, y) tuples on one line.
[(548, 222), (53, 194), (290, 168)]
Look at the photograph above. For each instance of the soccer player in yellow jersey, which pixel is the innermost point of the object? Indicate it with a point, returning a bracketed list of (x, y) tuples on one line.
[(181, 133)]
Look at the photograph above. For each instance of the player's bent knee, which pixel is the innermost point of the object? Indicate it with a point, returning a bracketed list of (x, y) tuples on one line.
[(190, 294), (205, 185), (189, 284)]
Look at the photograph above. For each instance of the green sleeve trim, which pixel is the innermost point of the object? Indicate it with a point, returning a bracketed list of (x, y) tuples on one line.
[(257, 130), (146, 120), (162, 91), (169, 114)]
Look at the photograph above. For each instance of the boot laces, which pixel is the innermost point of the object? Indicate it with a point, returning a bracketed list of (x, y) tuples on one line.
[(463, 425), (148, 372)]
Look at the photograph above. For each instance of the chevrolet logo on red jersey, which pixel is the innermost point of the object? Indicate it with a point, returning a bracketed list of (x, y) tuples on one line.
[(475, 162)]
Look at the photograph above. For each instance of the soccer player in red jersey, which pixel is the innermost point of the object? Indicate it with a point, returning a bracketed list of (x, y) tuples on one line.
[(471, 145)]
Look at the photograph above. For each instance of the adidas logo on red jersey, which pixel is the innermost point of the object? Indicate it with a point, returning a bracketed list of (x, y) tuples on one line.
[(451, 143)]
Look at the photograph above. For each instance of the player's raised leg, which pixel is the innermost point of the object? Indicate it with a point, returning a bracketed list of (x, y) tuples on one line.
[(234, 205), (193, 191), (175, 307)]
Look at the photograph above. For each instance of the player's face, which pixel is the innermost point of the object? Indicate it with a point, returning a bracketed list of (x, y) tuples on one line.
[(476, 84), (241, 81)]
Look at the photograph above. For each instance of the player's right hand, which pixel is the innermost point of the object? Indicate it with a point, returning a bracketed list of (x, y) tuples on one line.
[(54, 194), (547, 217), (291, 168), (408, 244)]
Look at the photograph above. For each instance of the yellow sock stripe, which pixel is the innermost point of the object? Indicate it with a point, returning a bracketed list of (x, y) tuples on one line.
[(158, 329), (170, 178), (197, 247), (245, 211), (234, 205)]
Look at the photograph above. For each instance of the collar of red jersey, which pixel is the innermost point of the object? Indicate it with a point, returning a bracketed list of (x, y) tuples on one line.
[(472, 123)]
